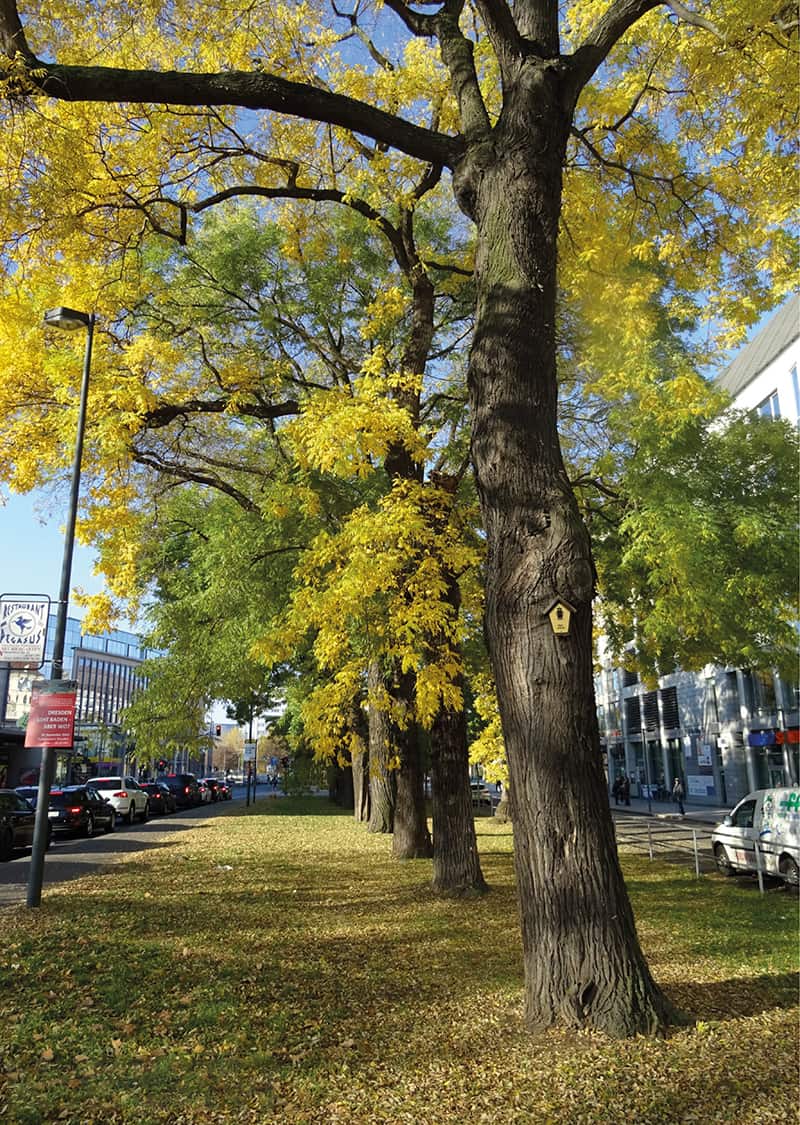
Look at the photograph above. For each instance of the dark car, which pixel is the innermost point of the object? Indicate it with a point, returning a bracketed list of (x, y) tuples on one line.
[(29, 792), (17, 821), (224, 788), (161, 797), (81, 810), (214, 784), (184, 788)]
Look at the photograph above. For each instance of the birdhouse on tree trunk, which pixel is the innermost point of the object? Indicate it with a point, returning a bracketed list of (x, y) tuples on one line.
[(560, 613)]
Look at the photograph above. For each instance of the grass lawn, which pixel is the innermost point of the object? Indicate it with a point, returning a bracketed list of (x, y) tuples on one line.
[(276, 965)]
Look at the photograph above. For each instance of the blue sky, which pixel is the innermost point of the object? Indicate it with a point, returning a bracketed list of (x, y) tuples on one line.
[(31, 551)]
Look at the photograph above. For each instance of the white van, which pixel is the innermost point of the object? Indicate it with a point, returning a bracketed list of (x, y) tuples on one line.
[(762, 831)]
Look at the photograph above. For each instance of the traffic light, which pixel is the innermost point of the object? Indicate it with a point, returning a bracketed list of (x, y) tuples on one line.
[(218, 729)]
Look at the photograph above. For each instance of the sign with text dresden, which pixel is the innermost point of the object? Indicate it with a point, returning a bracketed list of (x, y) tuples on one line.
[(52, 718)]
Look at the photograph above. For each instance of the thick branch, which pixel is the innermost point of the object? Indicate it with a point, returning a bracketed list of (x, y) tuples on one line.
[(502, 32), (458, 57), (168, 412), (184, 473), (606, 33), (248, 89), (537, 22)]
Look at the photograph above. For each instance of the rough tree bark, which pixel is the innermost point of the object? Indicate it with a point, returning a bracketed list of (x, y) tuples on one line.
[(583, 964), (361, 791), (456, 864), (411, 838), (382, 780)]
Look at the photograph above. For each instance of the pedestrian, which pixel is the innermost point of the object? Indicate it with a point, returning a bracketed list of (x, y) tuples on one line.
[(615, 789), (677, 795), (625, 789)]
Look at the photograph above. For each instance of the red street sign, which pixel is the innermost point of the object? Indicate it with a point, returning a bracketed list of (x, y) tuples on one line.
[(52, 719)]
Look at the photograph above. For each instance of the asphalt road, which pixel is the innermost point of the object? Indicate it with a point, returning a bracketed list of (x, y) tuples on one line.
[(70, 857)]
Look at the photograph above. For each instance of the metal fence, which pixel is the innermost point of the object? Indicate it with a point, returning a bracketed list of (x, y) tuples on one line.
[(678, 843)]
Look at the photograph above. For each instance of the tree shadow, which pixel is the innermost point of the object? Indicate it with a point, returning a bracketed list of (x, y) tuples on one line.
[(737, 997)]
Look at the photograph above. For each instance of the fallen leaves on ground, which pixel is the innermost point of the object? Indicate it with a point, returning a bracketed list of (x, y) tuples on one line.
[(287, 970)]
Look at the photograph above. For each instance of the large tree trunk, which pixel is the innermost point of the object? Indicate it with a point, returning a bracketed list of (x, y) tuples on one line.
[(456, 865), (361, 791), (411, 838), (582, 961), (382, 779), (359, 760)]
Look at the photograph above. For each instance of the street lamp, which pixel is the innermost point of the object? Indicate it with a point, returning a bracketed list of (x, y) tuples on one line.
[(70, 320)]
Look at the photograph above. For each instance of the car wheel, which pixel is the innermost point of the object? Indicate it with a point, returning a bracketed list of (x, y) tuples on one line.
[(790, 871), (88, 830), (6, 845), (146, 812), (131, 817), (112, 822), (723, 863)]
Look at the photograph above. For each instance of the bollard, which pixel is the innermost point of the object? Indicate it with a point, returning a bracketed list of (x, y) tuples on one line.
[(696, 854), (759, 870), (650, 842)]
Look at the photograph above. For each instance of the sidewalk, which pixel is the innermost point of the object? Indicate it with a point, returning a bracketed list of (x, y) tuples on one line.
[(700, 814)]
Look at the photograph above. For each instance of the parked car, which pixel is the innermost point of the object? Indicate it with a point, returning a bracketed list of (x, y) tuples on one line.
[(184, 789), (126, 795), (29, 792), (161, 798), (17, 821), (215, 785), (763, 831), (80, 809)]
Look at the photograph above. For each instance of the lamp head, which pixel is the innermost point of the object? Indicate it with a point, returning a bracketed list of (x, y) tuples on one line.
[(69, 319)]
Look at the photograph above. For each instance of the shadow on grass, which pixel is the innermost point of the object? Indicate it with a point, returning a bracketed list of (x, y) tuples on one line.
[(735, 998)]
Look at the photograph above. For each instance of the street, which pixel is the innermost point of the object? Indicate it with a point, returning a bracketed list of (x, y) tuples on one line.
[(71, 857)]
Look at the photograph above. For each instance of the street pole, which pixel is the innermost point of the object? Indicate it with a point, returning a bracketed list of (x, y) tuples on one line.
[(69, 319), (647, 777)]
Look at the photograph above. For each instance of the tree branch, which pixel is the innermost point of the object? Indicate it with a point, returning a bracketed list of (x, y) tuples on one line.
[(168, 412), (184, 473), (606, 33), (249, 89), (503, 33), (458, 56)]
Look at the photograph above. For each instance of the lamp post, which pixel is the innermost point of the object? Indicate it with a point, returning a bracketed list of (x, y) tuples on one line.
[(69, 320)]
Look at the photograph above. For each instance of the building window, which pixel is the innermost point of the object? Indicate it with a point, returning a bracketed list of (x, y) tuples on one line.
[(629, 679), (669, 708), (633, 717), (770, 407), (650, 709)]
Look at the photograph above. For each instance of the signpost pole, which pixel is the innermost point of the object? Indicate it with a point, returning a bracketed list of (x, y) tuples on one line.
[(42, 826)]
